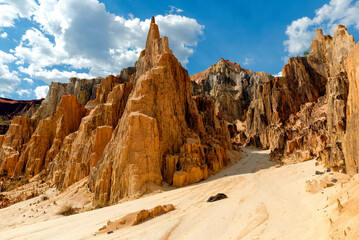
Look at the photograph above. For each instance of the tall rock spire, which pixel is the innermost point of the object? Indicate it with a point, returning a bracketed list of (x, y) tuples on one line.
[(153, 33), (155, 46)]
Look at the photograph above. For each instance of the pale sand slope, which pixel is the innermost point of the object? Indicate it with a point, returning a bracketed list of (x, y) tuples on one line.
[(270, 203)]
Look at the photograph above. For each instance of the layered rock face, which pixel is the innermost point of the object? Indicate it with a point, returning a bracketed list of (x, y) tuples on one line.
[(160, 136), (231, 87), (351, 142), (302, 114), (10, 108), (83, 89)]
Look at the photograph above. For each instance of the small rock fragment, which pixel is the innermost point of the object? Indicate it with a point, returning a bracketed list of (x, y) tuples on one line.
[(217, 197)]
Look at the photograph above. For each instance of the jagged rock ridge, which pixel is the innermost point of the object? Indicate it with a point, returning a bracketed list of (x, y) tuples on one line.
[(299, 116), (140, 128)]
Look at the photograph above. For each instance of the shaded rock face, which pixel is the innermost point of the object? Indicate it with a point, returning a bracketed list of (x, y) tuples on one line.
[(83, 89), (13, 143), (302, 114), (160, 136), (351, 140), (10, 108), (278, 99), (47, 139), (230, 86)]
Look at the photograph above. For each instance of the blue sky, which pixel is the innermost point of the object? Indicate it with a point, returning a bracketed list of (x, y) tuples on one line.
[(52, 40)]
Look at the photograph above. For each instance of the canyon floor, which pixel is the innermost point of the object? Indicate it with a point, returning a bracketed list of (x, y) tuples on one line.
[(265, 201)]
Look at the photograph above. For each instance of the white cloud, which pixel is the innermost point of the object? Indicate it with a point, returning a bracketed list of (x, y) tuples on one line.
[(302, 31), (13, 9), (248, 61), (8, 79), (71, 38), (22, 92), (280, 74), (6, 57), (41, 91), (52, 75), (3, 35), (28, 80), (173, 9), (85, 36)]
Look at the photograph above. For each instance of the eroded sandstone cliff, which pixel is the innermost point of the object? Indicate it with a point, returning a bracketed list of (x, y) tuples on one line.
[(161, 135), (140, 128), (302, 115), (351, 143)]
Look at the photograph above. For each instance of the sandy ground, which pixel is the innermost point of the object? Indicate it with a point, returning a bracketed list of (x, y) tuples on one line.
[(264, 202)]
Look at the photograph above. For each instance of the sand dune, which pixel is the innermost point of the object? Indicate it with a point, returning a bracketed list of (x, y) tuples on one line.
[(264, 202)]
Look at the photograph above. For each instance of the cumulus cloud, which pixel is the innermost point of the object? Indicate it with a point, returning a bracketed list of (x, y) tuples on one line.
[(280, 74), (41, 91), (12, 10), (300, 32), (3, 35), (28, 80), (86, 36), (23, 92), (8, 79), (52, 75), (71, 38)]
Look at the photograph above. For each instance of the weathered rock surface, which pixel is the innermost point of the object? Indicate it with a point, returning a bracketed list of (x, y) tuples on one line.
[(83, 89), (302, 114), (351, 142), (160, 136), (136, 218), (13, 143), (47, 139), (231, 87), (82, 150)]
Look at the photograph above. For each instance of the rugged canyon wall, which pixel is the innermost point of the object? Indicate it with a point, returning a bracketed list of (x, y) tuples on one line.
[(351, 139), (299, 116), (231, 87), (161, 135), (128, 133), (302, 115)]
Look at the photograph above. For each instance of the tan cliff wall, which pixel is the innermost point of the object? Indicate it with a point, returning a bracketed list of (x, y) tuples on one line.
[(302, 115), (159, 136), (351, 142), (83, 89), (139, 129)]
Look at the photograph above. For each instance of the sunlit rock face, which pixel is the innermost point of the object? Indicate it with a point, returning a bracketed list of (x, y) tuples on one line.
[(161, 135), (351, 142)]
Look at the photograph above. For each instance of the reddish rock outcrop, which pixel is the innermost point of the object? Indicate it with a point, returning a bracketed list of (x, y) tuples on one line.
[(10, 108), (160, 136), (351, 142)]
